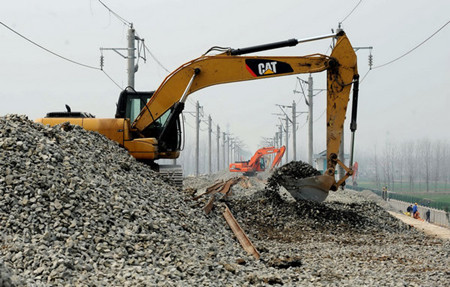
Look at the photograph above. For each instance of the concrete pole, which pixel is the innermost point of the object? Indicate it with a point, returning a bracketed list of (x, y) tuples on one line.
[(280, 127), (294, 131), (230, 145), (287, 139), (218, 150), (209, 145), (130, 59), (224, 149), (197, 137), (310, 120)]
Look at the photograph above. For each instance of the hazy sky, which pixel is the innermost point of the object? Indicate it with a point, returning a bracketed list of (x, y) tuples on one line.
[(406, 100)]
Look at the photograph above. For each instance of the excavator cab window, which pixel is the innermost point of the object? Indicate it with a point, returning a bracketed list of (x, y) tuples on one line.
[(262, 164), (172, 139), (134, 107), (131, 103)]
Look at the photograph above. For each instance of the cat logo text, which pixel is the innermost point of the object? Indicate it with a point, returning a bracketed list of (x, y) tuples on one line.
[(266, 67)]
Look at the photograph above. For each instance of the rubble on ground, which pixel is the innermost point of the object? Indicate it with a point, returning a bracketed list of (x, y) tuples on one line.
[(77, 210)]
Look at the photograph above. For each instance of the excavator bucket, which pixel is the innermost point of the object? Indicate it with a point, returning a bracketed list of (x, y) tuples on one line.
[(302, 181), (314, 188)]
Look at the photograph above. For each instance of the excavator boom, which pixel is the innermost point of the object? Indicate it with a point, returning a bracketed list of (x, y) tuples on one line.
[(257, 162), (156, 131), (207, 71)]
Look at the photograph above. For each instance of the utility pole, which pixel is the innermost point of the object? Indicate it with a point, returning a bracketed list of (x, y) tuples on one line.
[(280, 133), (223, 139), (287, 138), (309, 103), (294, 128), (294, 131), (310, 120), (198, 110), (130, 55), (209, 145), (230, 145), (218, 150), (131, 49), (197, 137)]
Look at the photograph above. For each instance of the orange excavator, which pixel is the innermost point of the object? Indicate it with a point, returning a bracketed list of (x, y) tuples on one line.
[(148, 124), (258, 161)]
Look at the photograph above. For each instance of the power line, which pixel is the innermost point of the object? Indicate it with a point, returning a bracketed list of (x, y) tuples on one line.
[(115, 14), (351, 11), (423, 42), (362, 79), (47, 50), (156, 60), (112, 80), (59, 56)]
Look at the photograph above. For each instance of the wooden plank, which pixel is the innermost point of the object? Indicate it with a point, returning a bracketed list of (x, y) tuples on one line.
[(208, 207), (240, 234), (212, 189)]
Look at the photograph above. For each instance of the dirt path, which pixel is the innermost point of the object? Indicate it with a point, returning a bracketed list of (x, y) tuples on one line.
[(428, 228)]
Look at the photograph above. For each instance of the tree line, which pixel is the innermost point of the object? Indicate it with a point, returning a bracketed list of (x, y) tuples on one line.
[(410, 166)]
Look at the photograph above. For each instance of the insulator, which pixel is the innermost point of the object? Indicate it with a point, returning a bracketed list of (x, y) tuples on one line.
[(101, 61), (370, 61)]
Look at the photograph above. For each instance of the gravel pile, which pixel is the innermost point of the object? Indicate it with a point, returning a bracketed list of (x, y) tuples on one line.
[(348, 240), (77, 210)]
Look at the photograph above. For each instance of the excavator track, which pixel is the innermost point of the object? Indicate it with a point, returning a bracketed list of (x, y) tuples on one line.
[(302, 181)]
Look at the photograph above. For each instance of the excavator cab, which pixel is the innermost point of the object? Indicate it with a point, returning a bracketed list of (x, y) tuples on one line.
[(168, 132), (131, 103)]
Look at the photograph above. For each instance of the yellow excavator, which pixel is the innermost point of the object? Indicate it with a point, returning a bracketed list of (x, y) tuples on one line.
[(148, 124)]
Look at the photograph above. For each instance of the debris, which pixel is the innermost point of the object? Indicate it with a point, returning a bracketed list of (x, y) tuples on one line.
[(240, 234)]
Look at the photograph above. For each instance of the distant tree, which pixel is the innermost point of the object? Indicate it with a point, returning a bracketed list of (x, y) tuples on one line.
[(376, 168), (425, 156), (436, 166), (400, 159), (445, 164), (411, 163), (387, 164)]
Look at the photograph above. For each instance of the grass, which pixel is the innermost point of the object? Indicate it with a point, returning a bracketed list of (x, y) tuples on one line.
[(439, 199)]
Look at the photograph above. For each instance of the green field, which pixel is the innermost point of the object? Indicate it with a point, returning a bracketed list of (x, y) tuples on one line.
[(440, 200)]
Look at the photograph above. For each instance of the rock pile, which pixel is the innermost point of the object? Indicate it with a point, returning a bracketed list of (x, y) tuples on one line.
[(294, 170), (77, 210)]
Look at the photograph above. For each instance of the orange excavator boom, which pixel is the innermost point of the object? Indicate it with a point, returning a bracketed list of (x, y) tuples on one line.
[(257, 162)]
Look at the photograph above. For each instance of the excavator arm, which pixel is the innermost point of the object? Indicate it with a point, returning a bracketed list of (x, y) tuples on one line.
[(231, 66), (155, 132), (278, 157), (207, 71), (253, 165)]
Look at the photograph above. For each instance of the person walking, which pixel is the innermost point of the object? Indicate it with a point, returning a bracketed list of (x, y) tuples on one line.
[(428, 215)]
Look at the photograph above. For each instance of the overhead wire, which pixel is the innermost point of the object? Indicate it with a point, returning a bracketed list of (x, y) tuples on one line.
[(143, 43), (408, 52), (420, 44), (156, 60), (47, 50), (123, 20), (112, 80), (59, 56), (348, 15)]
